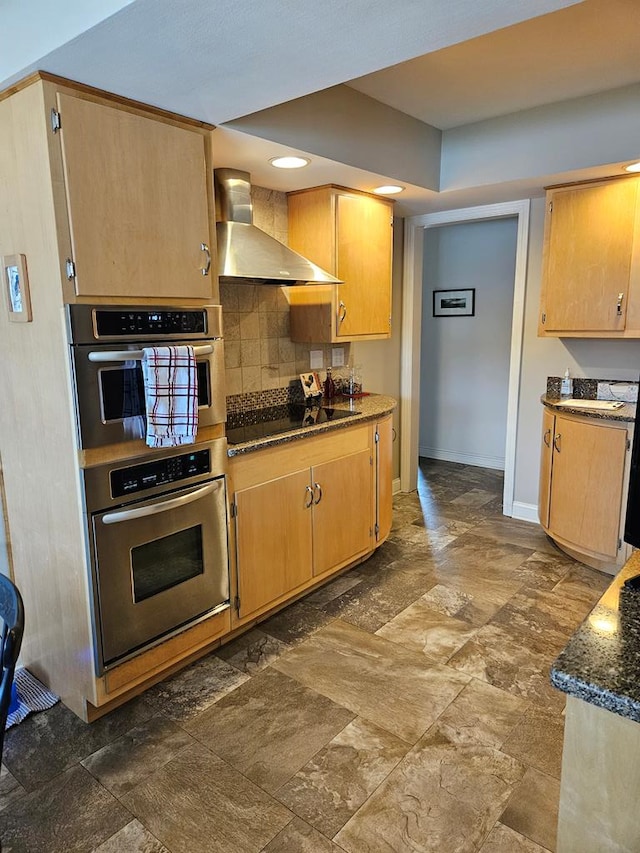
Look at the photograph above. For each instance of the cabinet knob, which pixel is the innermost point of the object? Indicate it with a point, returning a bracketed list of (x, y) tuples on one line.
[(619, 304), (547, 438), (317, 488), (342, 312), (205, 269), (556, 442)]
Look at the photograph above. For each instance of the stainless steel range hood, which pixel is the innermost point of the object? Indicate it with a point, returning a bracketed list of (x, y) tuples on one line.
[(245, 252)]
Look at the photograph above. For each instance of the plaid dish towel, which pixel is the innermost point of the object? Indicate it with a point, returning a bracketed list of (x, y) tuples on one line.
[(171, 395)]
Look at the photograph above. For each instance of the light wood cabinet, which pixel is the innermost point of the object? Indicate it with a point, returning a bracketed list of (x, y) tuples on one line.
[(583, 471), (302, 512), (348, 233), (591, 265), (383, 437), (136, 201)]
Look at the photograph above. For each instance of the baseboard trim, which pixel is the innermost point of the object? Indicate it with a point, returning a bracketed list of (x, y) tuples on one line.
[(525, 512), (463, 458), (395, 486)]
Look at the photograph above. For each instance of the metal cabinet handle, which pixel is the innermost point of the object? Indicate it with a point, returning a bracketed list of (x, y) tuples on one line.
[(556, 441), (317, 487), (205, 269), (547, 437), (163, 506), (341, 316), (309, 491), (619, 305)]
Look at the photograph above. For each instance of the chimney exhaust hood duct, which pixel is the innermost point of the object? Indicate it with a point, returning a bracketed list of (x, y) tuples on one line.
[(245, 252)]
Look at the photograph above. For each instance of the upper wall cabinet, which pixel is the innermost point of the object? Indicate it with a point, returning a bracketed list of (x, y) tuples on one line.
[(134, 193), (348, 233), (591, 269)]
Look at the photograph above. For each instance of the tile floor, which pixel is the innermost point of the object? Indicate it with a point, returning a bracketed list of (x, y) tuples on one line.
[(405, 706)]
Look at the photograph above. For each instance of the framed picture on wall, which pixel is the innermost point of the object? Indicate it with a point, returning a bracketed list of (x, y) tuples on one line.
[(454, 303), (16, 288)]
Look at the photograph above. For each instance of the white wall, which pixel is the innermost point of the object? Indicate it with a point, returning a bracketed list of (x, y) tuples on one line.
[(465, 360)]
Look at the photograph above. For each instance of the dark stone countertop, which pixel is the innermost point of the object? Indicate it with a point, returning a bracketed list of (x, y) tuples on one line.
[(601, 662), (625, 413), (367, 408)]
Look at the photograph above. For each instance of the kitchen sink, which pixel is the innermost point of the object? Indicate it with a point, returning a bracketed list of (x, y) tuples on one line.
[(594, 405)]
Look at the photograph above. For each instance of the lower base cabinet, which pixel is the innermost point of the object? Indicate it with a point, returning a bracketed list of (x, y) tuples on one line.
[(302, 511), (583, 471)]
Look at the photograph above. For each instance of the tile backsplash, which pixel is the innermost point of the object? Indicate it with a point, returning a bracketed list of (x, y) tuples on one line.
[(259, 354)]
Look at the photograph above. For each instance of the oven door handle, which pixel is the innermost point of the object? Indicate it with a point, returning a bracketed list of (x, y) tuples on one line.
[(136, 354), (154, 509)]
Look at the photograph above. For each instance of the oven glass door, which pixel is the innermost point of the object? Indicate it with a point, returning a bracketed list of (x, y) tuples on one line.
[(159, 564), (110, 392)]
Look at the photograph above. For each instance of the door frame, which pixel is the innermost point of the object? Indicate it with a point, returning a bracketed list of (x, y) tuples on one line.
[(412, 325)]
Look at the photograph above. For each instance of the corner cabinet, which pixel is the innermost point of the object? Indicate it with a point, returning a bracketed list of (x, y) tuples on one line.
[(583, 476), (132, 198), (591, 265), (304, 510), (348, 233)]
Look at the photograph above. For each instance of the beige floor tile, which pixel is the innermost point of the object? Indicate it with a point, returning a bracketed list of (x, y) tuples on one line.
[(270, 728), (498, 657), (532, 809), (474, 498), (537, 740), (299, 837), (423, 629), (198, 804), (443, 797), (252, 651), (336, 782), (504, 840), (393, 687), (472, 609), (482, 713), (522, 533), (133, 838)]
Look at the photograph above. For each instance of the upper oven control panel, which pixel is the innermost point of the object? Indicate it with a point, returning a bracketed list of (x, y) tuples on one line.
[(88, 324), (124, 324)]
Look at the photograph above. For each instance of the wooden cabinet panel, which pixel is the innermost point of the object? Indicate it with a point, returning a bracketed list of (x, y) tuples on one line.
[(384, 479), (273, 539), (342, 517), (589, 245), (582, 485), (588, 467), (349, 234), (136, 193), (364, 264), (546, 454)]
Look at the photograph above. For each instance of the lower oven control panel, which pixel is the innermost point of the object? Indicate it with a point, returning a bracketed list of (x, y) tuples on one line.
[(159, 472)]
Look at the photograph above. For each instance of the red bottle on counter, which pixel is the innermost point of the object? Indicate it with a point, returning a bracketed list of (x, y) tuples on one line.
[(329, 386)]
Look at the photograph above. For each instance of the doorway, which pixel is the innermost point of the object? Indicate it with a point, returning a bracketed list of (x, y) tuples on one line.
[(468, 274), (412, 325)]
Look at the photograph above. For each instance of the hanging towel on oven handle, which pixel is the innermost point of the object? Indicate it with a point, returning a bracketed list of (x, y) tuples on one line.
[(171, 395)]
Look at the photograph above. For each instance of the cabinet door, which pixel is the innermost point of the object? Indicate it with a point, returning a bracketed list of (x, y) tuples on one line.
[(137, 203), (364, 241), (384, 479), (342, 510), (273, 540), (589, 243), (546, 454), (586, 487)]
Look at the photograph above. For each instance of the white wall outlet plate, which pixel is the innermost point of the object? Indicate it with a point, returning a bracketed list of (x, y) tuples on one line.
[(337, 357), (316, 359)]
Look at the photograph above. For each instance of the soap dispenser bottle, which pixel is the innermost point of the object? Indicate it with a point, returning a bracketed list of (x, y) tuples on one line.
[(566, 386)]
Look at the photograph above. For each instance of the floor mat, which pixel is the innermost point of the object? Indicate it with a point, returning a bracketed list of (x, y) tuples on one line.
[(32, 696)]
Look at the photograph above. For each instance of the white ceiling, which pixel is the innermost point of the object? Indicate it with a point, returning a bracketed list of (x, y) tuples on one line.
[(445, 62)]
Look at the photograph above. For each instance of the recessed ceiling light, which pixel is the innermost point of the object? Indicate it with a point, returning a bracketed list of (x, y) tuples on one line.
[(289, 162), (633, 167), (388, 189)]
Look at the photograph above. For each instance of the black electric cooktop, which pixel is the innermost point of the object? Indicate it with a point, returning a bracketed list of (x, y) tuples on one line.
[(275, 420)]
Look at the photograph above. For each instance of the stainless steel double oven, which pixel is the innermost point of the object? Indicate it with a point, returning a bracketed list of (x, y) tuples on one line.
[(156, 521)]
